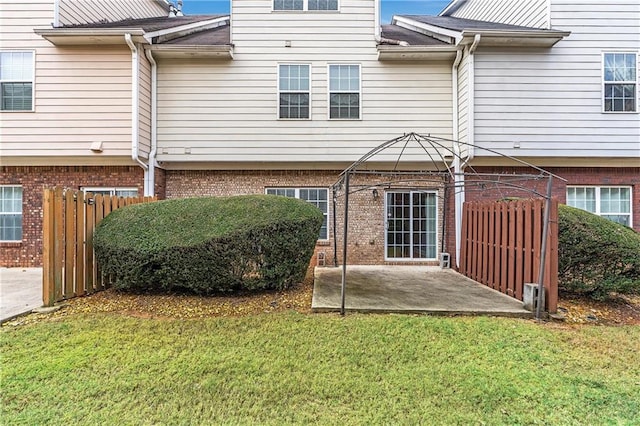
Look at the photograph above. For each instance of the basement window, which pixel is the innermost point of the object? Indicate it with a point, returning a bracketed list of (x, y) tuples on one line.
[(316, 196), (10, 213), (118, 192), (610, 202)]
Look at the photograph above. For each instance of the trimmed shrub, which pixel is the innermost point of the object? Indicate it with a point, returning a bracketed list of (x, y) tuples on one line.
[(208, 245), (596, 256)]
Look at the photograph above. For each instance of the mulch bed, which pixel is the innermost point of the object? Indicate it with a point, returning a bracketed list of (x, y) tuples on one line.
[(574, 309)]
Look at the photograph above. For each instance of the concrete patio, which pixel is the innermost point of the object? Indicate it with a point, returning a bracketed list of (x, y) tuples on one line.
[(410, 289), (20, 291)]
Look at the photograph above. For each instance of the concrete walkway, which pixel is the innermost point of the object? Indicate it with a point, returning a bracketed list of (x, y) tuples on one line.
[(409, 289), (20, 291)]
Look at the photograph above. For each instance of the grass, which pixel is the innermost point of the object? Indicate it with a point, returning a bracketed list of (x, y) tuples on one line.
[(292, 368)]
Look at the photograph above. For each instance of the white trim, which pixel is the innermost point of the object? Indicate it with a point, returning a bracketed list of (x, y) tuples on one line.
[(21, 212), (437, 32), (329, 65), (292, 91), (386, 225), (597, 189), (454, 4), (201, 25), (150, 187), (33, 80), (305, 8), (296, 190), (603, 82)]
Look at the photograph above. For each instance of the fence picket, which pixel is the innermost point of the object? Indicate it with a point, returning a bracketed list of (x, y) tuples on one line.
[(69, 219), (501, 245)]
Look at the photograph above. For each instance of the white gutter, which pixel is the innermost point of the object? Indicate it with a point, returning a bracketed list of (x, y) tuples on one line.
[(135, 101), (154, 123)]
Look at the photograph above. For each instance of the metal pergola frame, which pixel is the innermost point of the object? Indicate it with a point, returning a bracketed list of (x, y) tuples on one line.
[(446, 169)]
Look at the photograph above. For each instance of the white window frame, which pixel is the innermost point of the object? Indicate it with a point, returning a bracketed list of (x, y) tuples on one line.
[(305, 8), (13, 213), (385, 221), (597, 189), (33, 81), (329, 91), (604, 82), (297, 195), (113, 190), (293, 91)]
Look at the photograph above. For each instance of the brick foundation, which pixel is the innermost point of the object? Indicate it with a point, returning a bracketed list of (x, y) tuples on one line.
[(33, 180), (366, 213)]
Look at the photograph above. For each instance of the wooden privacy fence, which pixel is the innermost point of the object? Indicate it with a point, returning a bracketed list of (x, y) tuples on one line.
[(69, 219), (501, 246)]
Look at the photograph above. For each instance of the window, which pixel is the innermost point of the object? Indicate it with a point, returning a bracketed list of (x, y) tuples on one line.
[(412, 225), (120, 192), (613, 203), (344, 92), (315, 196), (293, 91), (620, 82), (16, 81), (305, 5), (10, 213)]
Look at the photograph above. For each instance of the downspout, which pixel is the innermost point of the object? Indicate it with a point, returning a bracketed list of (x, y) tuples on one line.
[(56, 13), (135, 101), (458, 188), (471, 99), (154, 122)]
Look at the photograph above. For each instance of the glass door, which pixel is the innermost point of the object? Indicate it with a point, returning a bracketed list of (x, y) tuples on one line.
[(411, 224)]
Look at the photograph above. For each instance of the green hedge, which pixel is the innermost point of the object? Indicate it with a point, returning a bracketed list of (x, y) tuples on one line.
[(208, 245), (597, 256)]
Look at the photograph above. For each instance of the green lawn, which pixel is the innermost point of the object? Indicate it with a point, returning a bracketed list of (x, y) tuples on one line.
[(295, 368)]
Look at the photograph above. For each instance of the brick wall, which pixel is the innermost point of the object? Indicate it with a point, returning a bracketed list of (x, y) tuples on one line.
[(595, 176), (33, 180), (366, 213)]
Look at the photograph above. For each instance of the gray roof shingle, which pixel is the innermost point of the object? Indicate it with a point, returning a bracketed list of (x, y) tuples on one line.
[(460, 24), (150, 24), (219, 36), (395, 32)]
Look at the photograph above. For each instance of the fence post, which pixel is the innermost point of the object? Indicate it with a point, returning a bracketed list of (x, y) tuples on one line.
[(48, 239), (58, 248), (89, 221)]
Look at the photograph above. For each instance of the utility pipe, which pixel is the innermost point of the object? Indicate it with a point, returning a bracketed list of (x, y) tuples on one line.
[(471, 100), (135, 102)]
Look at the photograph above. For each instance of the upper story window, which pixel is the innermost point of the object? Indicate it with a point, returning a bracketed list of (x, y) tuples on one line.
[(620, 82), (16, 81), (611, 202), (305, 4), (10, 213), (344, 92), (293, 91)]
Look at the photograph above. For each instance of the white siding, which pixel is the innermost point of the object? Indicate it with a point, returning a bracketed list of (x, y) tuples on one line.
[(82, 95), (528, 13), (227, 111), (74, 12), (550, 100)]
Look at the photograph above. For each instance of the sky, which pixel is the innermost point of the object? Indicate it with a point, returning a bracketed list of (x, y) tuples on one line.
[(389, 7)]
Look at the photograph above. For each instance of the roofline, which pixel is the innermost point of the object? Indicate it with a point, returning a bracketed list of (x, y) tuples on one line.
[(186, 29), (393, 52), (221, 51), (62, 31), (455, 35)]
